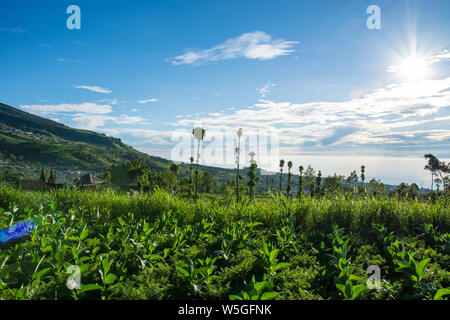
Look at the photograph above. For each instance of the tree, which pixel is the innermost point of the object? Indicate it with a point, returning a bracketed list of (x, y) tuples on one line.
[(310, 175), (281, 174), (206, 181), (289, 187), (174, 169), (377, 187), (352, 178), (130, 173), (318, 180), (437, 167), (252, 179), (300, 181), (333, 183)]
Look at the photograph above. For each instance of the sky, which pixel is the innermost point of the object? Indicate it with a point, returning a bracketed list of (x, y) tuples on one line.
[(324, 83)]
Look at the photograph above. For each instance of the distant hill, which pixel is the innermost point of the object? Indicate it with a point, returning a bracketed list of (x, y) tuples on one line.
[(39, 141)]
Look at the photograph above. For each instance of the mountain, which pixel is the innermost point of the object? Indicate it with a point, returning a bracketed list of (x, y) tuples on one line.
[(38, 142)]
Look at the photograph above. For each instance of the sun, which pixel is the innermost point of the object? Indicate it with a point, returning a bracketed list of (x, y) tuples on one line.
[(414, 68)]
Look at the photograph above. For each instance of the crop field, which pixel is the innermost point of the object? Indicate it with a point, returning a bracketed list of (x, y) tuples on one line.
[(108, 245)]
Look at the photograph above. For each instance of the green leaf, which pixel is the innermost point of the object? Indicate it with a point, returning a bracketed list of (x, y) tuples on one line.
[(273, 255), (75, 252), (106, 266), (341, 288), (355, 277), (121, 221), (282, 265), (259, 286), (156, 257), (90, 287), (84, 234), (8, 269), (420, 267), (268, 295), (357, 290), (234, 297), (42, 273), (440, 293), (110, 278), (182, 270)]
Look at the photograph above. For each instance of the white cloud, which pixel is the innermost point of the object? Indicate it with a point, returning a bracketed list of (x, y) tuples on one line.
[(264, 91), (94, 89), (147, 101), (134, 110), (95, 122), (443, 55), (391, 119), (254, 45), (86, 107)]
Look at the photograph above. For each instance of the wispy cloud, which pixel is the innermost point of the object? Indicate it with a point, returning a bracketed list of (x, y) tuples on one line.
[(147, 101), (443, 55), (254, 45), (70, 60), (264, 91), (407, 117), (94, 89), (96, 122), (86, 107)]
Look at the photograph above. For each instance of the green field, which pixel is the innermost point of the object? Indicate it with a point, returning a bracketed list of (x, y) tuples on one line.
[(160, 246)]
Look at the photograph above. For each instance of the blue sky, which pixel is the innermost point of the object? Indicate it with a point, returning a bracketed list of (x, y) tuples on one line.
[(335, 94)]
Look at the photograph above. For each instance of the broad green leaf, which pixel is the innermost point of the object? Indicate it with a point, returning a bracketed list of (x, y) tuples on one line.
[(440, 293), (110, 278), (282, 265), (268, 295), (90, 287), (42, 273), (420, 268), (273, 255), (357, 290), (106, 265), (182, 270), (84, 234)]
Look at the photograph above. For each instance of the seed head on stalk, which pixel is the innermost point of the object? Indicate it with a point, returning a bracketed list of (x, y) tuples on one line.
[(238, 152), (199, 134)]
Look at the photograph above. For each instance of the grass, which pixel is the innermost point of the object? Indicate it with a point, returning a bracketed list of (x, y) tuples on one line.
[(160, 246)]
